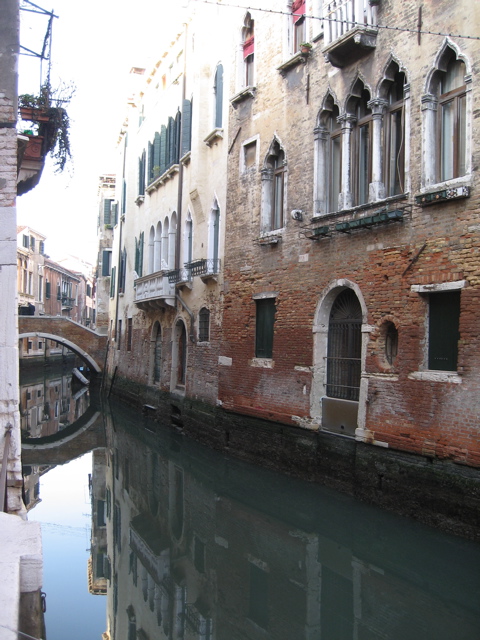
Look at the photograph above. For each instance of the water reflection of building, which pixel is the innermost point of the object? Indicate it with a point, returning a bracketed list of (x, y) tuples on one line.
[(31, 483), (200, 547), (49, 403), (98, 567)]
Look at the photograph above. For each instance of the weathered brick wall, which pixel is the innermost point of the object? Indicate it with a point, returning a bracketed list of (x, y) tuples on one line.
[(422, 416)]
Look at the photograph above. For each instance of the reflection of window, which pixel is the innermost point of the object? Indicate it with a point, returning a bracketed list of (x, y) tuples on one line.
[(443, 330), (258, 601), (198, 554), (298, 16), (157, 355), (344, 347), (265, 319), (452, 102)]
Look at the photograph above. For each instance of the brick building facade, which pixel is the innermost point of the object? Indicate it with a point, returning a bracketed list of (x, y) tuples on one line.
[(345, 334), (352, 250)]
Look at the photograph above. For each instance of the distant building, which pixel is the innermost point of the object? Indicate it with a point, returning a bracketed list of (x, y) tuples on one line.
[(30, 271)]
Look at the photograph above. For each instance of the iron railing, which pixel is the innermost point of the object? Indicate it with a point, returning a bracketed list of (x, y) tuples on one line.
[(204, 266)]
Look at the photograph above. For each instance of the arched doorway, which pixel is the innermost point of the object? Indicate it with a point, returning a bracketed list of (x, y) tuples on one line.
[(340, 336), (179, 360)]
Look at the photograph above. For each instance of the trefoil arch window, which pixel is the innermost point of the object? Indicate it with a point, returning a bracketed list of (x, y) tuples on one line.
[(361, 147), (447, 129), (393, 90), (273, 189), (328, 158)]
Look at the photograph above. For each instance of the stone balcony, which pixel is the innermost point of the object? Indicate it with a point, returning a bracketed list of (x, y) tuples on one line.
[(350, 30), (154, 291)]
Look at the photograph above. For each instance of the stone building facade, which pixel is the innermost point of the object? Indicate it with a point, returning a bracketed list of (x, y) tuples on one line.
[(351, 255), (166, 276)]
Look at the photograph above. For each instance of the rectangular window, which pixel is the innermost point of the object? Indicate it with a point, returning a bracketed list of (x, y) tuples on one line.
[(32, 243), (25, 241), (118, 337), (107, 209), (129, 333), (106, 262), (299, 31), (443, 330), (250, 154), (48, 290), (265, 319), (40, 288)]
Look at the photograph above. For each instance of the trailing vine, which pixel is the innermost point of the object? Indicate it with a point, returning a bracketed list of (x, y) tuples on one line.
[(56, 128)]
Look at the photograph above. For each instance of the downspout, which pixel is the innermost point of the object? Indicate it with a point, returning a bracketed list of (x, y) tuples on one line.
[(180, 168), (180, 195), (117, 276)]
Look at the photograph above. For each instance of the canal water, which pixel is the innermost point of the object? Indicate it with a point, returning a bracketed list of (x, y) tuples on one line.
[(148, 535)]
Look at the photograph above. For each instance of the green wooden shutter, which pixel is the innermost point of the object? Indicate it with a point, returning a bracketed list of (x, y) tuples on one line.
[(48, 289), (106, 256), (163, 149), (157, 163), (150, 162), (112, 282), (443, 335), (177, 141), (140, 260), (186, 127), (218, 96), (170, 142), (264, 328), (107, 208)]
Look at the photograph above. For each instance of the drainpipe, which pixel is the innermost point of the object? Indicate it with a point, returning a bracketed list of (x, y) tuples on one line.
[(117, 277), (190, 313), (180, 169)]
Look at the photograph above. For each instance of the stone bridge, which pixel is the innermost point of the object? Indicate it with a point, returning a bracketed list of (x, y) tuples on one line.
[(88, 344)]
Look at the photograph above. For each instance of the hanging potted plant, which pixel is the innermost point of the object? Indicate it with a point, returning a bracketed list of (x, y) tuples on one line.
[(306, 47), (47, 111)]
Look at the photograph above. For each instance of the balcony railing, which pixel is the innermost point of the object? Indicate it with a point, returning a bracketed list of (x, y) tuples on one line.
[(350, 28), (154, 290), (176, 276), (204, 267)]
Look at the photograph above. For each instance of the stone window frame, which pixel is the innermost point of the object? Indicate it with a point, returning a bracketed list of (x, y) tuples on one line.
[(265, 362), (378, 106), (430, 180), (424, 373), (268, 202)]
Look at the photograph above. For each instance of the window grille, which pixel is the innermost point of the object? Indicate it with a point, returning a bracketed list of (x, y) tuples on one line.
[(344, 347)]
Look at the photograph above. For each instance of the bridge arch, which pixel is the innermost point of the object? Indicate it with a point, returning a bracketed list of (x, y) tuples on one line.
[(86, 343), (67, 343)]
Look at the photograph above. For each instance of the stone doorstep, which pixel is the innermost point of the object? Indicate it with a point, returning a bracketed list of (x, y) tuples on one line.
[(21, 567)]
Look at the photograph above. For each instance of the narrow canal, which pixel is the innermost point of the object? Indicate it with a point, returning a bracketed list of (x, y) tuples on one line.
[(147, 534)]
